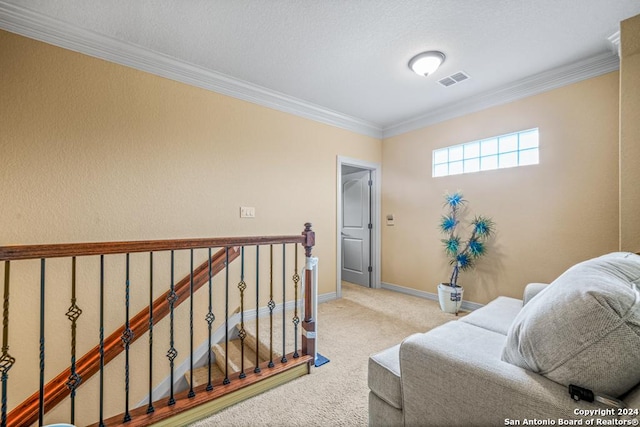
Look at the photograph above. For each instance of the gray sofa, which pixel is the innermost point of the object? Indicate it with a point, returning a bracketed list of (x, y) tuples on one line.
[(510, 362)]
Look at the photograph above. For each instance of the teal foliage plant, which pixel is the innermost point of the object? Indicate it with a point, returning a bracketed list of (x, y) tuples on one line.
[(463, 254)]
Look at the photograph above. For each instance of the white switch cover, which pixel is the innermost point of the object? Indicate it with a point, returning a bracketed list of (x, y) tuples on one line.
[(247, 212), (391, 220)]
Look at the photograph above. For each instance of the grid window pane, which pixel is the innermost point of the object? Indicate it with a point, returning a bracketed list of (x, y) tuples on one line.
[(504, 151), (529, 139), (508, 143), (471, 150), (441, 156), (441, 169), (456, 153), (488, 147), (529, 157), (488, 163), (508, 160), (456, 168), (472, 165)]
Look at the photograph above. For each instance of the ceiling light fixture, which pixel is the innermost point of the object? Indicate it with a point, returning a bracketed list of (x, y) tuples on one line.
[(426, 63)]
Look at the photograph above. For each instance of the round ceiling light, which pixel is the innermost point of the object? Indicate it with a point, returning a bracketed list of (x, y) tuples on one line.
[(426, 63)]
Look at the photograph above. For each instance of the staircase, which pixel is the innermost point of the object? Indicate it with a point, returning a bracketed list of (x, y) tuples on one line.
[(234, 354), (280, 342)]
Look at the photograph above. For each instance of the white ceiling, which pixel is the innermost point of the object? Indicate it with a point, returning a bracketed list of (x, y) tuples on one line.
[(342, 61)]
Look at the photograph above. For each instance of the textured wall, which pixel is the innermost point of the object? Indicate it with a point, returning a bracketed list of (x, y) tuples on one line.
[(94, 151), (548, 216), (630, 134)]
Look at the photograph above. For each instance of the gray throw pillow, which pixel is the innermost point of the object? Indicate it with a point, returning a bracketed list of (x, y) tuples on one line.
[(584, 328)]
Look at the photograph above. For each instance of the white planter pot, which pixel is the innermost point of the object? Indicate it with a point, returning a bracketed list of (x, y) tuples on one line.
[(450, 298)]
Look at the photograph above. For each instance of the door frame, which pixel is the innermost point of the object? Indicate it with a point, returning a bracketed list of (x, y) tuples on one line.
[(375, 218)]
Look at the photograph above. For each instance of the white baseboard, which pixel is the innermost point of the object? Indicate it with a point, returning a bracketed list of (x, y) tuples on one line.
[(466, 305), (327, 297)]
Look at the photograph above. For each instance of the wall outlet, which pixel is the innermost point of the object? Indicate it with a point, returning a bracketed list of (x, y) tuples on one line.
[(247, 212)]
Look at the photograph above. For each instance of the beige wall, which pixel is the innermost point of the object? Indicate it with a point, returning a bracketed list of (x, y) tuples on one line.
[(94, 151), (630, 134), (548, 216)]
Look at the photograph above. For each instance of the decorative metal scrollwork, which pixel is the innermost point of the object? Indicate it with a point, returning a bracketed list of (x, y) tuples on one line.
[(73, 382), (6, 362), (172, 353), (172, 298), (127, 337), (210, 318), (73, 313)]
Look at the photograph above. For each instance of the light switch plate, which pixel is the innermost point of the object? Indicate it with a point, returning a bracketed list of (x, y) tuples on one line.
[(247, 212), (390, 220)]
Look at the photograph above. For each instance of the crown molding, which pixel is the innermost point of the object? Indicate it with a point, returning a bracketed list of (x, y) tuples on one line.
[(614, 39), (28, 23), (572, 73), (40, 27)]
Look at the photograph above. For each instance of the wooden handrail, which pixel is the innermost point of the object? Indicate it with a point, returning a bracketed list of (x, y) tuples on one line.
[(56, 390), (10, 253)]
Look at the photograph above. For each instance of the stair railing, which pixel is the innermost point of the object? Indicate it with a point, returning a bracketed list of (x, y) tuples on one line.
[(66, 384)]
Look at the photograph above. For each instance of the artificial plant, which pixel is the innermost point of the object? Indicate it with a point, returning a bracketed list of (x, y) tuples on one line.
[(462, 253)]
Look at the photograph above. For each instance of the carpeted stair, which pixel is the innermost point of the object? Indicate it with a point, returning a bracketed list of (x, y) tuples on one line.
[(201, 375)]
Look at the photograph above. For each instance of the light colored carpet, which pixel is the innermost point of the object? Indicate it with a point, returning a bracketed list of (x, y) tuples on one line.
[(362, 322)]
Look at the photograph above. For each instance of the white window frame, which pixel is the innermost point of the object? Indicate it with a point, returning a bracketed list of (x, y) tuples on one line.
[(513, 149)]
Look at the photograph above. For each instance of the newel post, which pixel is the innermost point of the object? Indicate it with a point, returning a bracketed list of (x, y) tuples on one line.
[(309, 321)]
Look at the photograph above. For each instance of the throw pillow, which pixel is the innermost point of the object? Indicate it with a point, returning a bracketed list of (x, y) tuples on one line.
[(584, 328)]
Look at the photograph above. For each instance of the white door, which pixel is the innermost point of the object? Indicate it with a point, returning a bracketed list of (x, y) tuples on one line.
[(356, 227)]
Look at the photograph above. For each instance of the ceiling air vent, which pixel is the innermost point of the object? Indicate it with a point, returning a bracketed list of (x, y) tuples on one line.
[(458, 77)]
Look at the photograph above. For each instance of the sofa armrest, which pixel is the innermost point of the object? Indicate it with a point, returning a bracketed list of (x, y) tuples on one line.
[(453, 375), (531, 290)]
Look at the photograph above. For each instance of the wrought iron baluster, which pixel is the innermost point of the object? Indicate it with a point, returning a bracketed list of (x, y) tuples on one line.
[(271, 306), (150, 408), (6, 360), (296, 319), (210, 318), (257, 368), (127, 337), (73, 314), (284, 304), (192, 393), (226, 318), (172, 297), (242, 334), (101, 340), (42, 323)]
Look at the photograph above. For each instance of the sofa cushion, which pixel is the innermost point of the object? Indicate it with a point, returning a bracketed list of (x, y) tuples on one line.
[(531, 290), (584, 328), (496, 316), (384, 376)]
